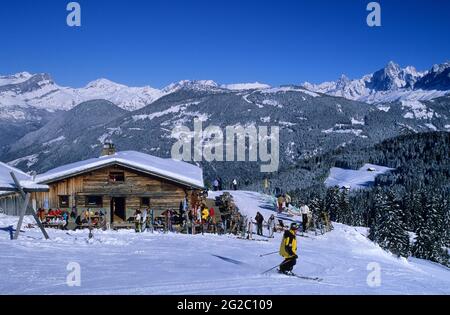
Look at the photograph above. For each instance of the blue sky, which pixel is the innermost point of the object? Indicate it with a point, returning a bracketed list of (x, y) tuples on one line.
[(156, 42)]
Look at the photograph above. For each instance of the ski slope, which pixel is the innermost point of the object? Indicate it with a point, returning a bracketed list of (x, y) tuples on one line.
[(128, 263)]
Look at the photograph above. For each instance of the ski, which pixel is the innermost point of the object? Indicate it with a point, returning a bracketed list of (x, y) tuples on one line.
[(306, 278), (291, 274), (254, 240)]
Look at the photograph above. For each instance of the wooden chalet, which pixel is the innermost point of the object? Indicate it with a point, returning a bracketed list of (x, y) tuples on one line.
[(118, 183)]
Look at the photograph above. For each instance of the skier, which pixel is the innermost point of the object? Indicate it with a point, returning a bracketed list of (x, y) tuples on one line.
[(288, 250), (305, 214), (137, 221), (271, 226), (259, 224), (288, 200), (235, 184), (280, 201), (248, 228), (216, 185), (205, 217)]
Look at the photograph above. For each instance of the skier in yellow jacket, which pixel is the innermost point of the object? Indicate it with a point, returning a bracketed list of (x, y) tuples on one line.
[(288, 250)]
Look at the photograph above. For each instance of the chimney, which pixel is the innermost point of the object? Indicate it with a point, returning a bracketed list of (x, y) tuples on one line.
[(108, 148)]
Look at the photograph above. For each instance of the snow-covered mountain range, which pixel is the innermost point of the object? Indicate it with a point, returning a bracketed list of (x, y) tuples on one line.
[(390, 84), (41, 92)]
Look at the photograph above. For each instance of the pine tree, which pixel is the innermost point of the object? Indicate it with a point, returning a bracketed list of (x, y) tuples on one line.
[(389, 229), (430, 242), (316, 206), (345, 210), (380, 210), (332, 203)]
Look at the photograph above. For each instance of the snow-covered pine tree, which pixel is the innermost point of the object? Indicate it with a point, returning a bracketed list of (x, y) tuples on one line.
[(446, 221), (430, 243), (345, 210), (392, 233), (332, 202), (380, 210), (316, 207), (388, 228)]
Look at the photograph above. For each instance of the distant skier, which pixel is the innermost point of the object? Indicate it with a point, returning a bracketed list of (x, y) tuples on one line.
[(259, 224), (288, 200), (288, 250), (280, 202), (235, 184), (305, 217), (137, 220), (271, 225), (216, 185)]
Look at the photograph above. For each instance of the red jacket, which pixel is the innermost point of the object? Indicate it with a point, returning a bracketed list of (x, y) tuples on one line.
[(211, 212)]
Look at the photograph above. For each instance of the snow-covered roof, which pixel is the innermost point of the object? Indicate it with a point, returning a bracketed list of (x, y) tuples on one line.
[(169, 169), (25, 180)]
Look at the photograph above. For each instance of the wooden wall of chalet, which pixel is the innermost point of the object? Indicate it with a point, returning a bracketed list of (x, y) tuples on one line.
[(163, 194), (12, 204)]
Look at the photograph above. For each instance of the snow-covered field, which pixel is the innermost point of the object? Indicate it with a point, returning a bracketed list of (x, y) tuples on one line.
[(128, 263), (359, 179)]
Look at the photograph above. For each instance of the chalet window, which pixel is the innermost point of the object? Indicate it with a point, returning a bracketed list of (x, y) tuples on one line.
[(63, 201), (94, 201), (145, 202), (117, 177)]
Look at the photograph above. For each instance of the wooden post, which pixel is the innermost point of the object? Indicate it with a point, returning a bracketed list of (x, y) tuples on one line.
[(24, 196), (21, 216)]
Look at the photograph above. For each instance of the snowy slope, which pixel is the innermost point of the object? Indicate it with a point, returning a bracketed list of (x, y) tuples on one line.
[(359, 179), (246, 86), (119, 263)]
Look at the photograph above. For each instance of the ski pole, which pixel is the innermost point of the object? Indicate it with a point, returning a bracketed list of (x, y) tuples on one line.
[(279, 265), (268, 254)]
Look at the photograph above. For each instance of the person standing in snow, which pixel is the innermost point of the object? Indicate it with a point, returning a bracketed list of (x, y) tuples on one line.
[(235, 184), (305, 215), (205, 217), (288, 250), (288, 200), (216, 185), (259, 224), (137, 220), (271, 226), (220, 183), (248, 228), (280, 202)]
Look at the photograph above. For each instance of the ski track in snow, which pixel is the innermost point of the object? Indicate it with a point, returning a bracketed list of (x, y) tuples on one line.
[(128, 263)]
